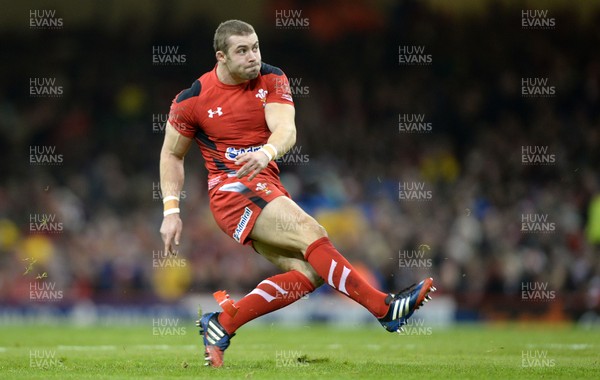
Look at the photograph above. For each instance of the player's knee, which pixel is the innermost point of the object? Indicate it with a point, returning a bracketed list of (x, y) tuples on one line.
[(315, 231), (311, 231)]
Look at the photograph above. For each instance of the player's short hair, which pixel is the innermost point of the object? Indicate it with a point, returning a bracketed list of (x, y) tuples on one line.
[(227, 29)]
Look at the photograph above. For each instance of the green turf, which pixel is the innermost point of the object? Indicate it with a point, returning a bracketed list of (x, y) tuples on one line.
[(311, 352)]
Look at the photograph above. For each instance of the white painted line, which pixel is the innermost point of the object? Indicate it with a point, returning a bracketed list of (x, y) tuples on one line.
[(563, 346), (87, 348), (135, 347)]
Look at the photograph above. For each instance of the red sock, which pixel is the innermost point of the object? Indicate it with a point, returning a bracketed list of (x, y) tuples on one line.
[(270, 295), (340, 275)]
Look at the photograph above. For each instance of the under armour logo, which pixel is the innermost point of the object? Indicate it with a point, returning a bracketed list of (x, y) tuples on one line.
[(212, 113)]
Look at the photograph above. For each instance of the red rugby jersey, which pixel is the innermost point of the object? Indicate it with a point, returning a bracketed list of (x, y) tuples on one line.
[(226, 120)]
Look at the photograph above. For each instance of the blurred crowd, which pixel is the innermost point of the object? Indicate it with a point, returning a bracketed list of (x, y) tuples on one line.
[(89, 223)]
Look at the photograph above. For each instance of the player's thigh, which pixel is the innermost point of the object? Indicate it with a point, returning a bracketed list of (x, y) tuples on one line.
[(282, 223), (288, 260)]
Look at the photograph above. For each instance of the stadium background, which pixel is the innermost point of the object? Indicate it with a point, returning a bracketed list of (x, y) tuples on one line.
[(352, 157)]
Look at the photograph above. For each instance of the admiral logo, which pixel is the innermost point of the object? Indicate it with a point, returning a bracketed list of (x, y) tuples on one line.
[(167, 55), (537, 87), (44, 88), (532, 223), (536, 291), (290, 19), (162, 260), (537, 155), (244, 219), (413, 191), (413, 123), (413, 55), (537, 19), (536, 358), (44, 19), (231, 153)]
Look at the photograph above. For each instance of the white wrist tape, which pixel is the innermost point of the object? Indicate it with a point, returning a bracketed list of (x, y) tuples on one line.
[(266, 152), (171, 211), (272, 147)]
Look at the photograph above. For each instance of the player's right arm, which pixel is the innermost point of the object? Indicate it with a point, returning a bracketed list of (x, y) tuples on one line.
[(174, 149)]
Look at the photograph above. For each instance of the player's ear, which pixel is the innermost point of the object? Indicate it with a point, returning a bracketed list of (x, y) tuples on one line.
[(221, 57)]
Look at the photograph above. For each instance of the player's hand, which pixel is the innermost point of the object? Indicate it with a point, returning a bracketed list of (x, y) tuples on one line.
[(253, 162), (170, 231)]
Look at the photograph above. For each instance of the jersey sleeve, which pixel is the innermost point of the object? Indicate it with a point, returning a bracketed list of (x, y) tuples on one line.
[(181, 114), (278, 88)]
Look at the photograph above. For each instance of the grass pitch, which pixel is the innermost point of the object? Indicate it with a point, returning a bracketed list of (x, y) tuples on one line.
[(310, 352)]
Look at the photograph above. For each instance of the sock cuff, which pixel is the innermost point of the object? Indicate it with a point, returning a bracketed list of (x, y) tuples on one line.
[(300, 277), (315, 244)]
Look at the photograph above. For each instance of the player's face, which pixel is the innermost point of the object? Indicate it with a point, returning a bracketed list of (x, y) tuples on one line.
[(243, 57)]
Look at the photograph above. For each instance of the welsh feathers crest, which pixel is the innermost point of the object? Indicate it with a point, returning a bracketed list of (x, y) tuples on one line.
[(262, 95)]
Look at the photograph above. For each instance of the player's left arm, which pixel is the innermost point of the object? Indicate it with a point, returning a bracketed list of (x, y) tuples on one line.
[(280, 120)]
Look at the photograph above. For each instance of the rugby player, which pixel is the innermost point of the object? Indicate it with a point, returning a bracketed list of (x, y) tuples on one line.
[(241, 115)]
